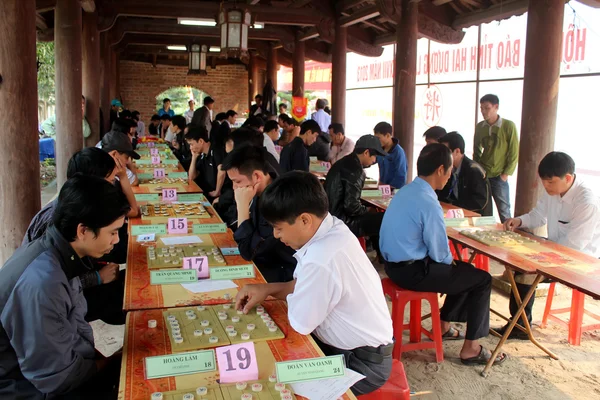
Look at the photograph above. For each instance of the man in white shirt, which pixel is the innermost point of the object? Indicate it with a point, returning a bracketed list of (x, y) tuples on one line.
[(321, 117), (341, 146), (189, 114), (336, 293), (569, 208), (271, 134)]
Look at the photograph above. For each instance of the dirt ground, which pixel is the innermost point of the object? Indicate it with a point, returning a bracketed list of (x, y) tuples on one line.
[(528, 373)]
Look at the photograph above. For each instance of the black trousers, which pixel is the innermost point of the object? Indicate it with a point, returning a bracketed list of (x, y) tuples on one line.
[(361, 360), (105, 302), (368, 225), (468, 290), (102, 386)]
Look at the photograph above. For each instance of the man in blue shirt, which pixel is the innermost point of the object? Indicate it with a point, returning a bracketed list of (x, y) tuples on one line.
[(392, 168), (417, 256), (166, 109)]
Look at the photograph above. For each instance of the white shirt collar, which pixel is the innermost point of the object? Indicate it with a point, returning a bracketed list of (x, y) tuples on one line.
[(326, 225), (498, 122)]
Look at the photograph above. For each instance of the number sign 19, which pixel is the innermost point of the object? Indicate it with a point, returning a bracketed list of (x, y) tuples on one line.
[(237, 363)]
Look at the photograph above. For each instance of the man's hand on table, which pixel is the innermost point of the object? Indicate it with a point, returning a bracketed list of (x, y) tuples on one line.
[(109, 272), (251, 295), (512, 223)]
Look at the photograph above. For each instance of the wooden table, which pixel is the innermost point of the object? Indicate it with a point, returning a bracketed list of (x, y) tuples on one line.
[(180, 187), (141, 342), (383, 202), (545, 255)]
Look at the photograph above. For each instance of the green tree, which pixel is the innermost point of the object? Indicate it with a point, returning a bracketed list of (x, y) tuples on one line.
[(45, 75), (179, 97)]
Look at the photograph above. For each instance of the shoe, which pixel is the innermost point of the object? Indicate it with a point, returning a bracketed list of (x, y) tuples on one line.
[(516, 333)]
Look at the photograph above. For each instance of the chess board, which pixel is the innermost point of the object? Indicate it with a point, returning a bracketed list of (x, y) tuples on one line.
[(163, 181), (268, 391), (498, 238), (161, 212), (213, 392), (172, 256), (225, 326), (150, 168)]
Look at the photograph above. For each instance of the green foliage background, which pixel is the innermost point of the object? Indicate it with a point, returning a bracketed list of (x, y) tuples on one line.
[(179, 97), (45, 76)]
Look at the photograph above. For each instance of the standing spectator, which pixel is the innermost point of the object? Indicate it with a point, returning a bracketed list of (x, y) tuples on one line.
[(202, 116), (256, 108), (49, 125), (115, 108), (392, 168), (291, 130), (496, 148), (189, 114), (341, 146), (283, 108), (321, 117), (166, 108)]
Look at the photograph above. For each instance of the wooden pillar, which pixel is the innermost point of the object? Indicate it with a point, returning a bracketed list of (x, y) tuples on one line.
[(540, 96), (253, 88), (112, 83), (91, 75), (272, 67), (117, 74), (298, 68), (104, 82), (67, 34), (338, 74), (407, 34), (19, 159)]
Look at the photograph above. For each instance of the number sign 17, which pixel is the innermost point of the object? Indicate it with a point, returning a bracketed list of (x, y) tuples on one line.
[(200, 264), (237, 363)]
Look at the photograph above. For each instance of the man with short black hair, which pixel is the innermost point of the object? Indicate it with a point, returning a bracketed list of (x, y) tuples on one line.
[(414, 244), (119, 146), (336, 293), (141, 127), (202, 116), (433, 134), (467, 187), (294, 156), (153, 130), (189, 113), (164, 129), (320, 116), (496, 149), (341, 146), (256, 108), (204, 166), (271, 135), (250, 173), (282, 108), (166, 108), (46, 346), (291, 130), (344, 184), (569, 208), (392, 168)]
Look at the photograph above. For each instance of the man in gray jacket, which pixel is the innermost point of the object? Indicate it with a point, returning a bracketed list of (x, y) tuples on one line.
[(202, 115), (46, 346)]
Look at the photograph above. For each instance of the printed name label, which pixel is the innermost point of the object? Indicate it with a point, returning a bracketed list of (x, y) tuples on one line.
[(180, 364), (233, 272), (310, 369), (173, 276)]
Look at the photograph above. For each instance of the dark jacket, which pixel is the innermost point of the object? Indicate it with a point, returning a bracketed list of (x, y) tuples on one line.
[(474, 192), (343, 186), (294, 156), (256, 242), (202, 118), (46, 346), (183, 154), (320, 148)]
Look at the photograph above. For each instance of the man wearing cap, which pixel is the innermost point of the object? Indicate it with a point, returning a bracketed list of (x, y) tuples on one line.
[(115, 107), (344, 184), (202, 116), (118, 145)]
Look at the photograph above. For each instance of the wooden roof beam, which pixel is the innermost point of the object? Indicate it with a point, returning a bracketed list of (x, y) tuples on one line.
[(493, 13), (348, 4), (363, 14)]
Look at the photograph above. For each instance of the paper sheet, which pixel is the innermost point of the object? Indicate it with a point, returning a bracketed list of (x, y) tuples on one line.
[(209, 286), (327, 389), (172, 241)]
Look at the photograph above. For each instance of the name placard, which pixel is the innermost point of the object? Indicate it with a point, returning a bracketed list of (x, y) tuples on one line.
[(209, 228), (147, 197), (170, 162), (136, 230), (143, 161), (481, 221), (233, 272), (456, 222), (310, 369), (192, 362), (173, 276), (371, 193), (191, 197), (145, 176), (183, 175), (230, 251)]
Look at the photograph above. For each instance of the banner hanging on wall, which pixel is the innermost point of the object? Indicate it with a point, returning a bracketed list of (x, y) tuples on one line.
[(299, 108)]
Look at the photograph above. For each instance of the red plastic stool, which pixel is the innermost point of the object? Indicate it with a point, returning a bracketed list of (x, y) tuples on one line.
[(482, 262), (577, 311), (396, 388), (399, 299), (363, 243)]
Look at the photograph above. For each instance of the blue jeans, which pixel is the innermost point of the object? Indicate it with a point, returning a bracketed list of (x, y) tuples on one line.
[(501, 195)]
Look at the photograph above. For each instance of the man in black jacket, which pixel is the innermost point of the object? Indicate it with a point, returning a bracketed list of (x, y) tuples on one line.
[(250, 173), (344, 184), (468, 186)]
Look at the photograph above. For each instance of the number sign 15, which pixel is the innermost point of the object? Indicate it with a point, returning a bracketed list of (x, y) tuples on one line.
[(177, 225), (237, 363)]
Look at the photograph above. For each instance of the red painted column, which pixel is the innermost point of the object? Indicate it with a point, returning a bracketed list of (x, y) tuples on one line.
[(540, 96), (338, 74), (19, 159), (67, 34)]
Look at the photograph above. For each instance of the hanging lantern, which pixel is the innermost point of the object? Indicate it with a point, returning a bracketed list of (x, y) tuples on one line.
[(234, 24), (197, 59)]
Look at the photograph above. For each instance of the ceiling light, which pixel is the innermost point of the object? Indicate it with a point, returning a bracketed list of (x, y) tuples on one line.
[(259, 25), (214, 49), (177, 47), (197, 21)]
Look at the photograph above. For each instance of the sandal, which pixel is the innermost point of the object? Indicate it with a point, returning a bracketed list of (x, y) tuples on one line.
[(483, 357), (453, 334)]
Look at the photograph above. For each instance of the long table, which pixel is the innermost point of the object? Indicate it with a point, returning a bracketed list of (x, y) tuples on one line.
[(382, 203), (141, 342), (544, 255)]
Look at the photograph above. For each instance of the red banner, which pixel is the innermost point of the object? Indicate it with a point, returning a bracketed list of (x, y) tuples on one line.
[(299, 108)]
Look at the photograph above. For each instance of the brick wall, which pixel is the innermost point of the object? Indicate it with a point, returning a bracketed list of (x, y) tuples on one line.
[(140, 83)]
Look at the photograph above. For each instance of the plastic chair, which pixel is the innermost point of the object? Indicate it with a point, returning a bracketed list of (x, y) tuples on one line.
[(399, 299), (396, 387)]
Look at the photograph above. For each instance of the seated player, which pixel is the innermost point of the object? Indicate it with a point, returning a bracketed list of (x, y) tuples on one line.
[(123, 126), (270, 136), (341, 146), (291, 130), (295, 156), (569, 208), (336, 293), (46, 346), (204, 167), (251, 174), (344, 183), (433, 134), (414, 245), (467, 187), (320, 148), (181, 149), (392, 168)]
